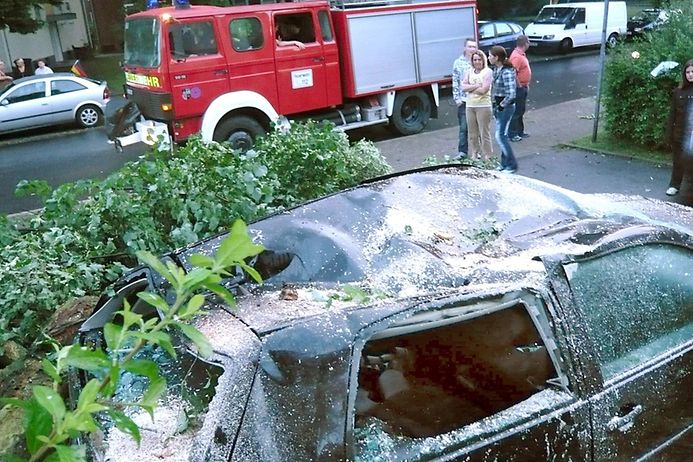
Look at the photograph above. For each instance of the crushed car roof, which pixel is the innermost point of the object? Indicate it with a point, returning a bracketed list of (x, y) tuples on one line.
[(424, 231)]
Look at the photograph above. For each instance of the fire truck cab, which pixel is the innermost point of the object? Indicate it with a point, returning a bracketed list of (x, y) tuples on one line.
[(231, 73)]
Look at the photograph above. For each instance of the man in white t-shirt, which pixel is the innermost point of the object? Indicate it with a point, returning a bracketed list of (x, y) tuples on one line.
[(42, 69)]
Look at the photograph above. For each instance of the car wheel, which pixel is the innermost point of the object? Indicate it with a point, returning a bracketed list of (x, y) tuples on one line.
[(612, 41), (239, 131), (411, 112), (89, 116), (566, 45)]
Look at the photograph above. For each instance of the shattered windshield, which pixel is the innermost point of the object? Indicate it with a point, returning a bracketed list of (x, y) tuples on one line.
[(142, 42), (554, 15), (191, 387)]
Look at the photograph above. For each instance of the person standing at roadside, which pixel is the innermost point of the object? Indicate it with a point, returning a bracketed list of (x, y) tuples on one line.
[(503, 99), (477, 85), (5, 79), (459, 70), (20, 69), (680, 128), (518, 58), (42, 69)]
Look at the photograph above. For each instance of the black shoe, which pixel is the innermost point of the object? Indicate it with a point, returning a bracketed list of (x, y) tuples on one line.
[(525, 135)]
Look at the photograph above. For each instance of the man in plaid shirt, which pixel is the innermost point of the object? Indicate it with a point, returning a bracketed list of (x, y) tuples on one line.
[(459, 70)]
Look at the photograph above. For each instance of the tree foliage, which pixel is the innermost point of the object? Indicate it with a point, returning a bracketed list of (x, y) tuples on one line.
[(636, 103), (18, 15)]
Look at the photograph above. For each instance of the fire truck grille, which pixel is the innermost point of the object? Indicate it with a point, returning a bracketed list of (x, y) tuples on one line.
[(150, 103)]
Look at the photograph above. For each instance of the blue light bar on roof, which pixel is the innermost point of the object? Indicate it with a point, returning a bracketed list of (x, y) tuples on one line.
[(151, 4), (181, 3)]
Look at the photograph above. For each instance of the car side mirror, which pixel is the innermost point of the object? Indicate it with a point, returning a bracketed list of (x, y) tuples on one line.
[(4, 102)]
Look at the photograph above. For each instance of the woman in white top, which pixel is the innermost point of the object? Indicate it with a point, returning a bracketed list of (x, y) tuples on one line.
[(42, 69), (477, 84)]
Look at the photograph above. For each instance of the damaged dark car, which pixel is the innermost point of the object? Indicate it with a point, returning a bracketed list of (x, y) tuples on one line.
[(502, 319)]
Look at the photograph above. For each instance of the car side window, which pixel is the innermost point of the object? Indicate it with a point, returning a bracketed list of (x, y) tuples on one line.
[(325, 27), (27, 92), (637, 303), (503, 29), (65, 86), (192, 39), (296, 26), (420, 380), (486, 31), (579, 17), (246, 34)]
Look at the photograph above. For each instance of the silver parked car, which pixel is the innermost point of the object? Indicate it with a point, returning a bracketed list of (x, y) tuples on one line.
[(53, 99)]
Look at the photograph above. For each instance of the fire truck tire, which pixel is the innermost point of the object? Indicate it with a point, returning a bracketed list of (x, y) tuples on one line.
[(240, 131), (89, 116), (411, 111)]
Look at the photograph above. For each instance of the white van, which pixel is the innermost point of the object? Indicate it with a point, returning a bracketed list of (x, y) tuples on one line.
[(566, 25)]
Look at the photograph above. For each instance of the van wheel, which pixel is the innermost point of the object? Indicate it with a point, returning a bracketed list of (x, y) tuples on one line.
[(411, 112), (239, 131), (612, 41), (566, 45), (88, 116)]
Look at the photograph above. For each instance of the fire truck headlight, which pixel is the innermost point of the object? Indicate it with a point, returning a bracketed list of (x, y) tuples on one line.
[(166, 107)]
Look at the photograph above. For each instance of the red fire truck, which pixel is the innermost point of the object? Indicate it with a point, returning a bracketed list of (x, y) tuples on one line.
[(230, 73)]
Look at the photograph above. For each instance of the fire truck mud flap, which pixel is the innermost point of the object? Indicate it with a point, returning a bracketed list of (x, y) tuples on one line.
[(125, 126)]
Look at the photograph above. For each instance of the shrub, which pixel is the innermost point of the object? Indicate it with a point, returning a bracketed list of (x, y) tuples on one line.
[(636, 105), (88, 232)]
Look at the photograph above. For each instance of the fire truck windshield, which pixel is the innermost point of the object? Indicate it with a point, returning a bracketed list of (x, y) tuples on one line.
[(142, 44)]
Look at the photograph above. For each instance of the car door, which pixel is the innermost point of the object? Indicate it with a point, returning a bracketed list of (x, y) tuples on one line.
[(480, 379), (65, 95), (635, 302), (24, 106), (505, 37), (301, 79)]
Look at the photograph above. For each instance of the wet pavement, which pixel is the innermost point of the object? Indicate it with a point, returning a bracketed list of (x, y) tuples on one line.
[(544, 155)]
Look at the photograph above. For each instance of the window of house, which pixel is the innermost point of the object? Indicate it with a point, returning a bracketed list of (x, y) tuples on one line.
[(192, 39), (65, 86), (246, 34), (28, 92), (442, 371), (637, 303)]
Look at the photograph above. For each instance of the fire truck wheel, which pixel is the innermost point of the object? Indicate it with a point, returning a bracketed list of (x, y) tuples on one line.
[(239, 131), (89, 116), (411, 111)]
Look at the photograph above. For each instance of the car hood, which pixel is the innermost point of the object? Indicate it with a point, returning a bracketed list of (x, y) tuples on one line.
[(542, 29)]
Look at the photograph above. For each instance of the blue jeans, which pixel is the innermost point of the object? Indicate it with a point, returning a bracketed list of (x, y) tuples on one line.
[(517, 124), (462, 145), (502, 125)]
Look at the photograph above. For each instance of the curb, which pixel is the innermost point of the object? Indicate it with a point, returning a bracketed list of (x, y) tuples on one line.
[(617, 154)]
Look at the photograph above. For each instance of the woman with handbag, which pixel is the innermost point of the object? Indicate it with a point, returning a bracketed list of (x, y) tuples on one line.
[(680, 128)]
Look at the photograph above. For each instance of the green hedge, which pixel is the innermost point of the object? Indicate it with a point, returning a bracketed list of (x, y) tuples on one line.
[(88, 231), (636, 104)]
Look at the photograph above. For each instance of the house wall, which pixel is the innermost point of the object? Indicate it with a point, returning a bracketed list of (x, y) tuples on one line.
[(42, 44)]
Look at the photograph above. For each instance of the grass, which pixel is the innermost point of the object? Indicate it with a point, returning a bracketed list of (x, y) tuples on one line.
[(106, 67), (608, 145)]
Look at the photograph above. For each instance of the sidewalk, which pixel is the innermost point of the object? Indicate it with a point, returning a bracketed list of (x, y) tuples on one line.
[(543, 157)]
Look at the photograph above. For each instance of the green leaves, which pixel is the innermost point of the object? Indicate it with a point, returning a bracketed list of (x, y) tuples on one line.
[(50, 400), (200, 341)]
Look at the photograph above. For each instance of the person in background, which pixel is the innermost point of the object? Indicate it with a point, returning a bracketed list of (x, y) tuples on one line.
[(42, 69), (5, 79), (459, 70), (518, 58), (20, 69), (680, 128), (477, 85), (503, 99), (286, 32)]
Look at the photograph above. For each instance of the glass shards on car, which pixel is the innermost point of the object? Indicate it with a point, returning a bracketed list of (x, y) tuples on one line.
[(393, 325), (501, 33), (52, 100)]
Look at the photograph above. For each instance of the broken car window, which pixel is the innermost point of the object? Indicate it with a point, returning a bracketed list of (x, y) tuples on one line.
[(637, 302), (432, 380)]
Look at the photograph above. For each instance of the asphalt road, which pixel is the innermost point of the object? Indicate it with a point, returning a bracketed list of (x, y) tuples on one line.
[(64, 156)]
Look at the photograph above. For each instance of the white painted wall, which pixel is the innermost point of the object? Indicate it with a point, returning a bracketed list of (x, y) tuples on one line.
[(71, 33)]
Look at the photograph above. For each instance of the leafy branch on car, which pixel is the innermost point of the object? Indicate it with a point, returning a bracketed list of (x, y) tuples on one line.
[(49, 424)]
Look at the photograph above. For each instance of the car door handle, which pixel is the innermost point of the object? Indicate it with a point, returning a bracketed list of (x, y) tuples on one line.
[(319, 59), (221, 72), (624, 423)]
